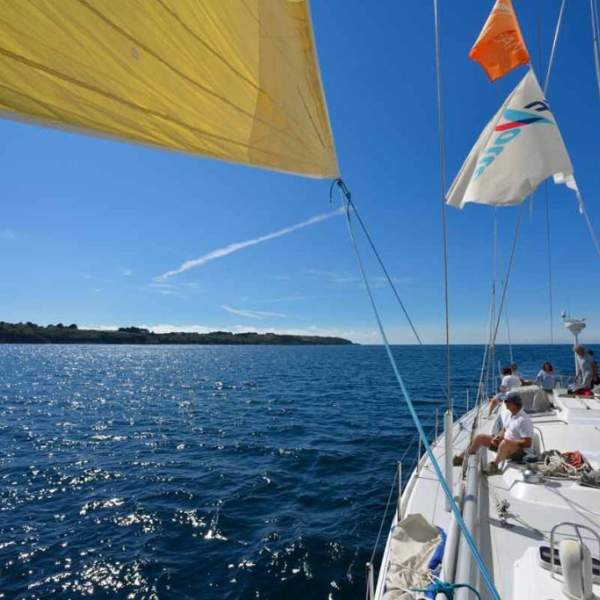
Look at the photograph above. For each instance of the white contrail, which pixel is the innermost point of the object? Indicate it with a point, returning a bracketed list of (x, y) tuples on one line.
[(252, 314), (235, 247)]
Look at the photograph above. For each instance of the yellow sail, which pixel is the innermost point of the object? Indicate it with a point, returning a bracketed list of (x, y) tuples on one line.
[(236, 80)]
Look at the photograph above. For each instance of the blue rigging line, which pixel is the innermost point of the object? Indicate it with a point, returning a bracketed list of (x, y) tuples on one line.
[(434, 463)]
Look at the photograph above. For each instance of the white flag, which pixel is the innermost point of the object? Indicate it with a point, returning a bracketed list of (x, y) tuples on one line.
[(519, 148)]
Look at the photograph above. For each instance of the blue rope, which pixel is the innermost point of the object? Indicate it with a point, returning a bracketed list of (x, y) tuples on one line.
[(434, 463), (441, 587)]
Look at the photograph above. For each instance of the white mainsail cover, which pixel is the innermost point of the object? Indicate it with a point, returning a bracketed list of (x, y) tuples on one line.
[(519, 148)]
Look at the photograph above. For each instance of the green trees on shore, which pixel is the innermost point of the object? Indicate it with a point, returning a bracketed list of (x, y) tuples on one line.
[(31, 333)]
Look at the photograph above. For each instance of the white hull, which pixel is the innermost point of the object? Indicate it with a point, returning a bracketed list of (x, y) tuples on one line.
[(509, 542)]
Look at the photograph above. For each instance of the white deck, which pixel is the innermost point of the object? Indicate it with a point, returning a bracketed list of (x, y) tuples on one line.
[(510, 548)]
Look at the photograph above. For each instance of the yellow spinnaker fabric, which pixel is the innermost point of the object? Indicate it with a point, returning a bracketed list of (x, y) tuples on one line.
[(236, 80)]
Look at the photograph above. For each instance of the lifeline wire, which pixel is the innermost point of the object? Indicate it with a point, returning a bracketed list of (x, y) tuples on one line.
[(434, 463), (442, 155), (393, 488)]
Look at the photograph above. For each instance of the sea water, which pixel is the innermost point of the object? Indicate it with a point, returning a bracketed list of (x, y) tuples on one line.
[(209, 472)]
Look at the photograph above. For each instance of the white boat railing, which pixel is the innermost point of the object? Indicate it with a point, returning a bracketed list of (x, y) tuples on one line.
[(399, 507), (370, 581), (375, 591), (374, 581), (370, 565)]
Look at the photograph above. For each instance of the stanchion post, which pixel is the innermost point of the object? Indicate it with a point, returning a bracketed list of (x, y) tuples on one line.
[(400, 491), (370, 582), (448, 426)]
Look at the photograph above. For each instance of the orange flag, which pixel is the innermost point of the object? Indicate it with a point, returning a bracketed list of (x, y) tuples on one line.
[(500, 46)]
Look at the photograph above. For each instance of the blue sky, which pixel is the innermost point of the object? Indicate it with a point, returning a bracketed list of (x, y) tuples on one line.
[(88, 225)]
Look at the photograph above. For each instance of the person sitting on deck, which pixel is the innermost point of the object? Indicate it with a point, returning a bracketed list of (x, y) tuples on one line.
[(595, 373), (514, 369), (509, 381), (512, 441), (545, 378), (584, 374)]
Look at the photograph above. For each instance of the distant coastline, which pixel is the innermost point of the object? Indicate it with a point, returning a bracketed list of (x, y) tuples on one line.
[(31, 333)]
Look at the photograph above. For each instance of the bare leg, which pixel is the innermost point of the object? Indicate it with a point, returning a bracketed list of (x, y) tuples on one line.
[(493, 402), (505, 450), (479, 441)]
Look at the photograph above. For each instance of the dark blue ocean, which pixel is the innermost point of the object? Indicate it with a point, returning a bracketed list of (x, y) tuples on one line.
[(208, 472)]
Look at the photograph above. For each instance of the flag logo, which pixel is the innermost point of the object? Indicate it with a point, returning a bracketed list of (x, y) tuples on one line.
[(523, 146), (509, 130), (519, 118)]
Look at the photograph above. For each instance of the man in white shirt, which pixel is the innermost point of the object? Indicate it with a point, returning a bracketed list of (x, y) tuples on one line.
[(585, 369), (509, 381), (512, 441)]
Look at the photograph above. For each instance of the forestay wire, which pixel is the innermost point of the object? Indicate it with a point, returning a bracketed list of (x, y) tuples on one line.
[(442, 168), (596, 41), (341, 184), (485, 575)]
